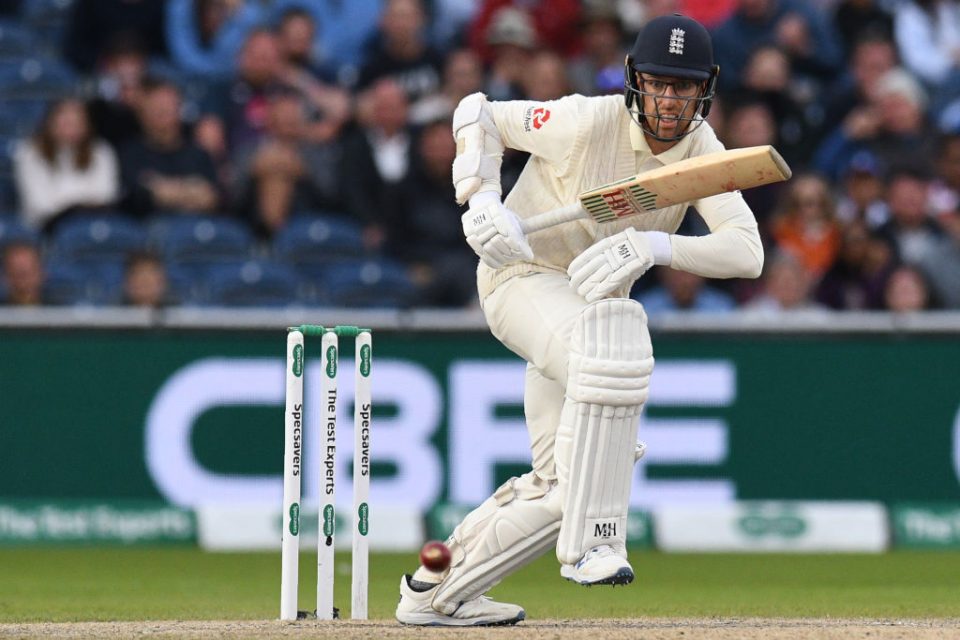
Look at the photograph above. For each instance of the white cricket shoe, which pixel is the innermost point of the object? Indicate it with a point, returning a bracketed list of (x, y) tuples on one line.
[(600, 565), (414, 608)]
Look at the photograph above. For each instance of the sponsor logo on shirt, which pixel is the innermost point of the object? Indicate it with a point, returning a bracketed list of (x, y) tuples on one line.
[(535, 117)]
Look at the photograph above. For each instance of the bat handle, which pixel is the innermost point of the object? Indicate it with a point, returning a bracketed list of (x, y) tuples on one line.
[(553, 218)]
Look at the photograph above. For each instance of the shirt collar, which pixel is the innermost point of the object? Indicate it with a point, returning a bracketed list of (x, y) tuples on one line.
[(677, 152)]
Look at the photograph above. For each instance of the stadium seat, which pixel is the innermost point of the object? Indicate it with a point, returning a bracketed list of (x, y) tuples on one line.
[(370, 283), (19, 119), (100, 237), (35, 77), (253, 283), (12, 231), (77, 283), (16, 40), (67, 284), (318, 240), (200, 240)]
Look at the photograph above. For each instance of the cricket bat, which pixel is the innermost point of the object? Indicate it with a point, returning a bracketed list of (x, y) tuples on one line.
[(683, 181)]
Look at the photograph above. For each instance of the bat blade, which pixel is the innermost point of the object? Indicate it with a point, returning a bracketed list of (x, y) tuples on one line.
[(686, 181)]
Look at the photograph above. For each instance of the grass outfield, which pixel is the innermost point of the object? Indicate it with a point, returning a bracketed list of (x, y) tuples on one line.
[(164, 583)]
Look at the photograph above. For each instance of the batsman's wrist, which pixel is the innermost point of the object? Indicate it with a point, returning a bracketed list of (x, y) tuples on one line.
[(660, 247), (483, 198)]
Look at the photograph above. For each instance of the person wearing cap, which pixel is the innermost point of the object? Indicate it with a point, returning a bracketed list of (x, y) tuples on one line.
[(559, 298)]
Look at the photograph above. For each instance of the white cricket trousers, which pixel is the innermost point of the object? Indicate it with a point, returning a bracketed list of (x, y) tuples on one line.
[(533, 316)]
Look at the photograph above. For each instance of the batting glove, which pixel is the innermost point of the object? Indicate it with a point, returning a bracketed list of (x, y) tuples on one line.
[(614, 262), (494, 232)]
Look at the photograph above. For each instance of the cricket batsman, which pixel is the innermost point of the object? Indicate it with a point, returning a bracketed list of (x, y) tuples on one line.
[(559, 299)]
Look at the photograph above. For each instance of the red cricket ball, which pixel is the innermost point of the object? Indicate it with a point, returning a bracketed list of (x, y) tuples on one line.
[(435, 556)]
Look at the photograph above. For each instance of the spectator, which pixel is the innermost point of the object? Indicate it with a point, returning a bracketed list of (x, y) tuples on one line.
[(236, 119), (928, 37), (861, 195), (430, 238), (806, 227), (402, 51), (236, 122), (892, 126), (119, 81), (296, 40), (145, 282), (751, 123), (462, 75), (94, 26), (23, 275), (164, 171), (683, 291), (287, 172), (854, 19), (510, 39), (600, 66), (205, 36), (767, 76), (709, 13), (911, 231), (906, 291), (63, 168), (945, 190), (450, 20), (555, 24), (942, 265), (871, 58), (545, 77), (792, 25), (329, 106), (786, 288), (377, 160), (858, 277), (343, 31)]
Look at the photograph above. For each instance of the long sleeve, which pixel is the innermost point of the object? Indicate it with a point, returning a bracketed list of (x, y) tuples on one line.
[(219, 58), (732, 249), (38, 202), (544, 129), (46, 190), (919, 46)]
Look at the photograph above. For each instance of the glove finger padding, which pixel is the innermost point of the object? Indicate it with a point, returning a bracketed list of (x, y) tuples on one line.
[(610, 264), (594, 273), (495, 234)]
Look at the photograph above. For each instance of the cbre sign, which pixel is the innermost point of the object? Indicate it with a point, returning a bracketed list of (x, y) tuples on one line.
[(468, 400)]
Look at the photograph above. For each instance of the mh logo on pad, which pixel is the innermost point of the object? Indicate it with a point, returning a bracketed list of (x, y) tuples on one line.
[(605, 530), (676, 41)]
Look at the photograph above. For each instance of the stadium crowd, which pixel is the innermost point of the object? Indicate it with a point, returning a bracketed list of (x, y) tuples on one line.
[(275, 152)]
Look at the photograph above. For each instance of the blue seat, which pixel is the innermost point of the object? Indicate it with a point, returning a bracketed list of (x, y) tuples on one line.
[(83, 283), (12, 231), (253, 283), (370, 283), (318, 240), (19, 119), (200, 240), (35, 77), (98, 237), (186, 286), (16, 39), (67, 284)]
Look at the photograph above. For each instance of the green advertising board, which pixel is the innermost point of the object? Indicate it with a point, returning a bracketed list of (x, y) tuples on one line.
[(189, 417)]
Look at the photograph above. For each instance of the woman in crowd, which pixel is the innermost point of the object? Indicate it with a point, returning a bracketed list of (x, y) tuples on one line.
[(63, 168)]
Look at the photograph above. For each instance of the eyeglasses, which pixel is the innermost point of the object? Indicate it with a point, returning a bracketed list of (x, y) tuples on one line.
[(681, 88)]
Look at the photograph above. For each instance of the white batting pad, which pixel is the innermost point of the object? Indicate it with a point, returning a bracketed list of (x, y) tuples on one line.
[(514, 526), (611, 359)]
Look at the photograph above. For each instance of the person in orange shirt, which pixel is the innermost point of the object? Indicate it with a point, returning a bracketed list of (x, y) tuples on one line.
[(807, 225)]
